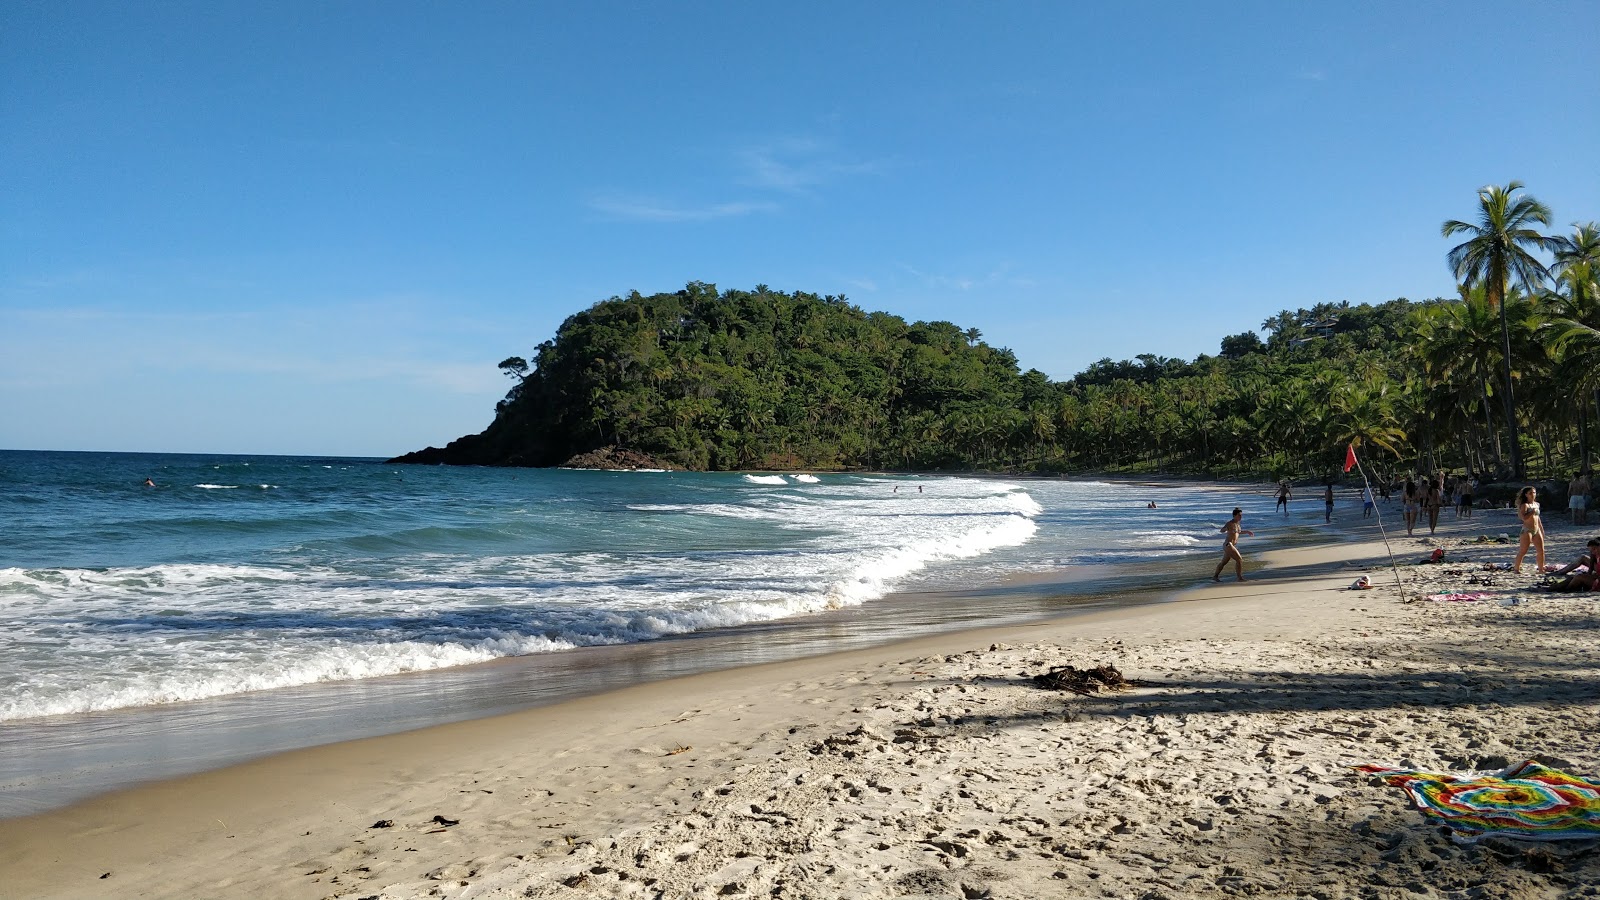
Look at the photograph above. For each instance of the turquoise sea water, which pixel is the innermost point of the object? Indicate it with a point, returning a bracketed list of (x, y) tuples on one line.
[(237, 574), (205, 608)]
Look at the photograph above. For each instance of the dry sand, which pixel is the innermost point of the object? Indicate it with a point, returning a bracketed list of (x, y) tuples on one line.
[(935, 768)]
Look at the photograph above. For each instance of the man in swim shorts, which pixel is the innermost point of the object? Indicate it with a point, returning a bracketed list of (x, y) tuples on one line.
[(1230, 545), (1578, 498)]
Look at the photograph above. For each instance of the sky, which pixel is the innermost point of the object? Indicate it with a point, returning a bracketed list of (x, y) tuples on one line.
[(316, 227)]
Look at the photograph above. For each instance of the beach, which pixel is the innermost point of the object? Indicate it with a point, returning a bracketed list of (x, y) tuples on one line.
[(936, 767)]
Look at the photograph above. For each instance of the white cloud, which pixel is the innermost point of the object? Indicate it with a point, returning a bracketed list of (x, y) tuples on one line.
[(643, 209), (1000, 275), (795, 165)]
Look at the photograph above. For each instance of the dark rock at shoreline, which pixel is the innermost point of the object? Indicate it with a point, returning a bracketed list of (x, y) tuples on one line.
[(617, 459)]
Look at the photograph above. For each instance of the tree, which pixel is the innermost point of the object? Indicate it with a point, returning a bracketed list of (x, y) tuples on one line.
[(1237, 346), (1496, 256), (514, 366), (1572, 329), (1582, 247)]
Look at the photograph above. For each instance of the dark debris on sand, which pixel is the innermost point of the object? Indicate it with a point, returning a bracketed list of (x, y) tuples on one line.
[(1083, 681)]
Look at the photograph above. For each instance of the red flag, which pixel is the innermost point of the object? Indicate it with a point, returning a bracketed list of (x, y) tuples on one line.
[(1349, 457)]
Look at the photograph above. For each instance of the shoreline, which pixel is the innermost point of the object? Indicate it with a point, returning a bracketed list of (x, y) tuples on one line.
[(50, 762), (922, 767)]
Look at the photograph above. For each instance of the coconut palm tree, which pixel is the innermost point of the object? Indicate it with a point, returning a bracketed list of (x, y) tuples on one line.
[(1582, 247), (1572, 329), (1459, 345), (1496, 255)]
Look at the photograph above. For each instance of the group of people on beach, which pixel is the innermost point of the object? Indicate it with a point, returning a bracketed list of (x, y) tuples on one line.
[(1427, 495)]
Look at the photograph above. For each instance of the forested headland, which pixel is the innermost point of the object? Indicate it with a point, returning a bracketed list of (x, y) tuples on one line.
[(1502, 379)]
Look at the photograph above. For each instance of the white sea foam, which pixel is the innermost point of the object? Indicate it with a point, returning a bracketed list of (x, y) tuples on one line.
[(81, 639), (218, 487), (806, 479), (1164, 539)]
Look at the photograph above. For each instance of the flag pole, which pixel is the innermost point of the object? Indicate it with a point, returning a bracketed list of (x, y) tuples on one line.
[(1350, 459)]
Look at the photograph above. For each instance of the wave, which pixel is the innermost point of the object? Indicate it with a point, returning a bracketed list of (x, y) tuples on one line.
[(806, 479), (365, 590), (1164, 539), (218, 487), (344, 661), (278, 628)]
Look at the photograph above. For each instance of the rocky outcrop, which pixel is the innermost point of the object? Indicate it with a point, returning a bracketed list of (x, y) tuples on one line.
[(617, 459)]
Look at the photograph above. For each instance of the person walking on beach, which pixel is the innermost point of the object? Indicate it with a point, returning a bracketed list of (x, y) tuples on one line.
[(1413, 505), (1327, 504), (1230, 544), (1285, 494), (1367, 506), (1532, 529), (1431, 499), (1578, 498)]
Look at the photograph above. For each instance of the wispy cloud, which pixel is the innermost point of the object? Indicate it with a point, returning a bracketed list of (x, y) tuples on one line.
[(648, 209), (330, 345), (1000, 275), (1311, 75), (767, 171), (797, 164)]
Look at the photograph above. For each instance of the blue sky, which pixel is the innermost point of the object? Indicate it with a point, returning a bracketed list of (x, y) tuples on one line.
[(307, 227)]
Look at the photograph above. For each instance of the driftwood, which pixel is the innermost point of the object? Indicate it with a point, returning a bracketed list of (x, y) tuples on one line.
[(1083, 681)]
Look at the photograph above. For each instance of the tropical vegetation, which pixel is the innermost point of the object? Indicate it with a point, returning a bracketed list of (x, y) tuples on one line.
[(1503, 378)]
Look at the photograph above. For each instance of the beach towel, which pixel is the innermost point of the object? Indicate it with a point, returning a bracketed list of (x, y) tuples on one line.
[(1529, 801), (1458, 598)]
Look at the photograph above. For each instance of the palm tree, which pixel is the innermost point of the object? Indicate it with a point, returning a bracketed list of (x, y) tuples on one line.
[(1495, 255), (1572, 329), (1363, 413), (1581, 248), (1460, 346)]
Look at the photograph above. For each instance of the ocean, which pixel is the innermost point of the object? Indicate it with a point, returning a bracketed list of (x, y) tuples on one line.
[(266, 576)]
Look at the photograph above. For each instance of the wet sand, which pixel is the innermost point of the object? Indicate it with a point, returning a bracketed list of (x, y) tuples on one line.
[(931, 767), (46, 764)]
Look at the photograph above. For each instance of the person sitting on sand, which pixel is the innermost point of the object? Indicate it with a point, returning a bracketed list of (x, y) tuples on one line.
[(1582, 581), (1230, 544), (1532, 529)]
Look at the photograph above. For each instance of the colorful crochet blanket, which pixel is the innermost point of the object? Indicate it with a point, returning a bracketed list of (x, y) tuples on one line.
[(1528, 801)]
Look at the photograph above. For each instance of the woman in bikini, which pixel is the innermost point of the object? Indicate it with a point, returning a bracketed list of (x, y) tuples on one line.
[(1413, 505), (1532, 528)]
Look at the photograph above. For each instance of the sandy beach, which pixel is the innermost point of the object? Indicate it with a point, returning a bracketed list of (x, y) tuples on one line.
[(936, 767)]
